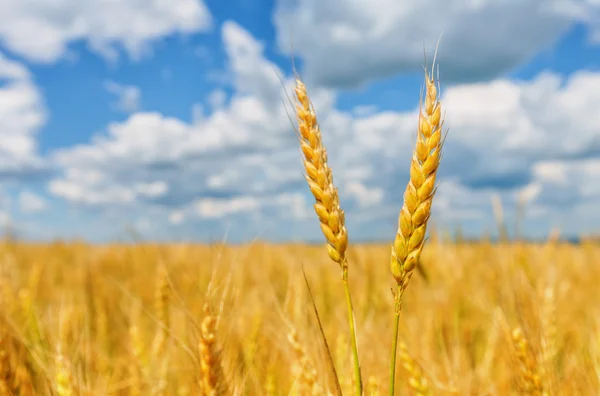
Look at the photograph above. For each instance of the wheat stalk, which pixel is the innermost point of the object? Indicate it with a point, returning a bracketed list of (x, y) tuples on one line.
[(418, 197), (327, 206)]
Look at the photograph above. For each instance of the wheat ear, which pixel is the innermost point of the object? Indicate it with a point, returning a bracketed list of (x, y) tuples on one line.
[(531, 380), (6, 371), (327, 206), (418, 197), (320, 180), (213, 379), (417, 381), (162, 299)]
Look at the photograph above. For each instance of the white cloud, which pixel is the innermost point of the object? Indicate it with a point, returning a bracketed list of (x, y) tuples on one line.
[(215, 208), (128, 96), (349, 42), (217, 99), (252, 73), (31, 203), (364, 111), (242, 161), (176, 217), (41, 31), (152, 190), (22, 114), (364, 195), (551, 172), (144, 224), (216, 156)]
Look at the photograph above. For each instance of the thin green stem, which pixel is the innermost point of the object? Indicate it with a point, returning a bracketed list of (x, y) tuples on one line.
[(351, 322), (394, 344)]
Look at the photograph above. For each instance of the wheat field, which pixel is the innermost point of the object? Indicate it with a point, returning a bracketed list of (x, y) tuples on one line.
[(83, 319)]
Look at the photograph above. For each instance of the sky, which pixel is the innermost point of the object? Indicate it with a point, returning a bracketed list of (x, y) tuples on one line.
[(169, 120)]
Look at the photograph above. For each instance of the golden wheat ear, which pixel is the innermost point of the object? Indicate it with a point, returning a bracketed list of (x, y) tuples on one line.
[(418, 196), (213, 379), (320, 179), (327, 206)]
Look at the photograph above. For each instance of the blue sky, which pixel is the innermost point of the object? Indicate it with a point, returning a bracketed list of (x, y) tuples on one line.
[(170, 117)]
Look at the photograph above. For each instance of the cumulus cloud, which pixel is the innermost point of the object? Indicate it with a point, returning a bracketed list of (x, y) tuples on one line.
[(524, 139), (504, 127), (237, 159), (41, 31), (351, 42), (128, 96), (22, 114), (31, 203)]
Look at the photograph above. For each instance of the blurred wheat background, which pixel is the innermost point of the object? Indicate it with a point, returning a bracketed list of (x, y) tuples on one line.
[(79, 319)]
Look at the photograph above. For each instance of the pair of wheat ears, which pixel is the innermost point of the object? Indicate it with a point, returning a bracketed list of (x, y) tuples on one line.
[(416, 210)]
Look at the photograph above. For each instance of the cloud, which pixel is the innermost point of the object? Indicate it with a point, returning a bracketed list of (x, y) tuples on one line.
[(241, 164), (504, 127), (128, 96), (351, 42), (252, 73), (364, 195), (41, 31), (217, 99), (31, 203), (240, 155), (22, 114)]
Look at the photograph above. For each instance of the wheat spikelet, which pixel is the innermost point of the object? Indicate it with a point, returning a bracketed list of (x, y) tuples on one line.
[(320, 179), (102, 333), (6, 373), (183, 390), (213, 379), (342, 358), (162, 297), (64, 380), (304, 369), (417, 380), (63, 376), (22, 381), (531, 380), (137, 358), (418, 196), (33, 328), (8, 302), (549, 328), (270, 387), (595, 349), (373, 385), (15, 370)]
